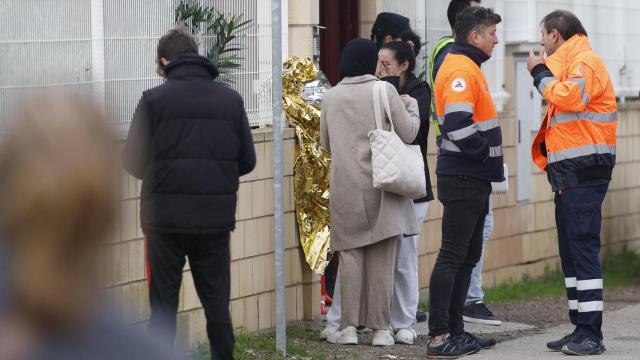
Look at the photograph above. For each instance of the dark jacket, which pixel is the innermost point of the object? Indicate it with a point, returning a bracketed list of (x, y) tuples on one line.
[(189, 141), (420, 91)]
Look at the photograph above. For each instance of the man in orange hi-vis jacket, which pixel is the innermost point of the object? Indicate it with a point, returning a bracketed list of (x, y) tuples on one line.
[(576, 146), (469, 159)]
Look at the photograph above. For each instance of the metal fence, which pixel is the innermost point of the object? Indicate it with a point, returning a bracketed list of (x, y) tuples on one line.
[(104, 50)]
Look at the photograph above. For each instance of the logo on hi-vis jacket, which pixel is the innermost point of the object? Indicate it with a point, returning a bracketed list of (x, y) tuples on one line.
[(458, 85)]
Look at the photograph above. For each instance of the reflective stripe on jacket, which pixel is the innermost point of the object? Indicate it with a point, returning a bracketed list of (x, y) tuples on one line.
[(577, 139), (471, 136)]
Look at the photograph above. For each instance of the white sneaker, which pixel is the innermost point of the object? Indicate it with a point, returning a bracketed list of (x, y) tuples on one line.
[(382, 338), (328, 331), (346, 336), (406, 336)]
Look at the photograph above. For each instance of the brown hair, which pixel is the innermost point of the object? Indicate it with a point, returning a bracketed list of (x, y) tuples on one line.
[(565, 22), (175, 42), (58, 187)]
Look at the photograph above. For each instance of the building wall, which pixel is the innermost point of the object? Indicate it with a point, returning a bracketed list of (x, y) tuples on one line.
[(303, 16)]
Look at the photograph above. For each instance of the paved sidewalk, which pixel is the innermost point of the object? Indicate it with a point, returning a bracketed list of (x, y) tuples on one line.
[(423, 328), (621, 337)]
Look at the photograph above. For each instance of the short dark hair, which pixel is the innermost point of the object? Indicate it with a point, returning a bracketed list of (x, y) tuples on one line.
[(176, 42), (414, 39), (474, 19), (455, 8), (565, 22), (402, 52)]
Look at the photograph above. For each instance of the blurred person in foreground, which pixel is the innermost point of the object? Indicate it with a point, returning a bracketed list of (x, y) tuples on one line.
[(189, 142), (58, 184)]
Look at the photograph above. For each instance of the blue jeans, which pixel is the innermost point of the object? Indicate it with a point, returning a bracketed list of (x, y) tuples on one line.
[(475, 292)]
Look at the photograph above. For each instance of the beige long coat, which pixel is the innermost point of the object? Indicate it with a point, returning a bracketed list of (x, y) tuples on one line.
[(361, 215)]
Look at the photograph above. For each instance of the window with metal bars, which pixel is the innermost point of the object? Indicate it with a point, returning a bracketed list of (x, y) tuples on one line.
[(105, 50)]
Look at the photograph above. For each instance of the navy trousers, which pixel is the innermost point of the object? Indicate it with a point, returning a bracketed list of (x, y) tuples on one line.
[(578, 218)]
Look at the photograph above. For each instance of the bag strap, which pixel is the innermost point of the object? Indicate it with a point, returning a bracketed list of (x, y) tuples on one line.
[(376, 104), (385, 101)]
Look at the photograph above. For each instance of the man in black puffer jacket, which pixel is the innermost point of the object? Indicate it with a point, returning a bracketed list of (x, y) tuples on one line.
[(189, 142)]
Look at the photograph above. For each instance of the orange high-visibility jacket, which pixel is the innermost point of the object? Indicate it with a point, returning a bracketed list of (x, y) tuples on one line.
[(577, 139), (471, 141)]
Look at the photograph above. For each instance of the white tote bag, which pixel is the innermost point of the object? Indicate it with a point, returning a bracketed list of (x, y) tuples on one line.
[(397, 167)]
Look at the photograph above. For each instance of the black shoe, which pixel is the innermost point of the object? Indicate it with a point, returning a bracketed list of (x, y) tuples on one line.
[(421, 316), (468, 338), (558, 344), (450, 348), (582, 345), (477, 312)]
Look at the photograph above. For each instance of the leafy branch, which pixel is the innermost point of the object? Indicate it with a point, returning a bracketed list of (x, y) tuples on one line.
[(226, 31)]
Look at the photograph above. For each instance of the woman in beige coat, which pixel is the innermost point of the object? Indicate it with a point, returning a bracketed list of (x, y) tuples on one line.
[(366, 223)]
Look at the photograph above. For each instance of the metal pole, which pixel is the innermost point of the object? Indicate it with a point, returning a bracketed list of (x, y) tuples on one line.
[(278, 172)]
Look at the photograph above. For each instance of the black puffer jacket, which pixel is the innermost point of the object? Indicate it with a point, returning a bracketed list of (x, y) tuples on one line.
[(420, 91), (189, 141)]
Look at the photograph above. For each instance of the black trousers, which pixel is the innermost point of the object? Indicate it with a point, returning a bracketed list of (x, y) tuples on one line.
[(209, 259), (466, 202)]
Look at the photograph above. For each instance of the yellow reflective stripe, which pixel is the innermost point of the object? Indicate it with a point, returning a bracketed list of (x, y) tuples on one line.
[(436, 126), (436, 50)]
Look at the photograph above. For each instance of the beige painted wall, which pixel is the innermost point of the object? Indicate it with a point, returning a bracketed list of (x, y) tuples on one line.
[(303, 15)]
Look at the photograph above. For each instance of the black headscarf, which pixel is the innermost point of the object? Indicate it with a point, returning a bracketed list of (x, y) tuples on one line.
[(359, 57)]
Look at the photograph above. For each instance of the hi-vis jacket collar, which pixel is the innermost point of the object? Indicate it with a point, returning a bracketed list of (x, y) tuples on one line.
[(567, 51)]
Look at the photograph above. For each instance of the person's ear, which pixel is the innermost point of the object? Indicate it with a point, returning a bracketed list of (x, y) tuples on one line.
[(474, 37), (404, 66), (164, 62), (388, 38)]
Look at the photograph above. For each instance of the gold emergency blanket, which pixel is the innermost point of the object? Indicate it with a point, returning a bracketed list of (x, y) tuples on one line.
[(312, 163)]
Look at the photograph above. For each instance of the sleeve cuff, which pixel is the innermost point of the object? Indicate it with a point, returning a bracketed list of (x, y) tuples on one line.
[(539, 69)]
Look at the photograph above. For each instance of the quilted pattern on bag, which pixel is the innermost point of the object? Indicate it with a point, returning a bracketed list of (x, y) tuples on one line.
[(397, 167)]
